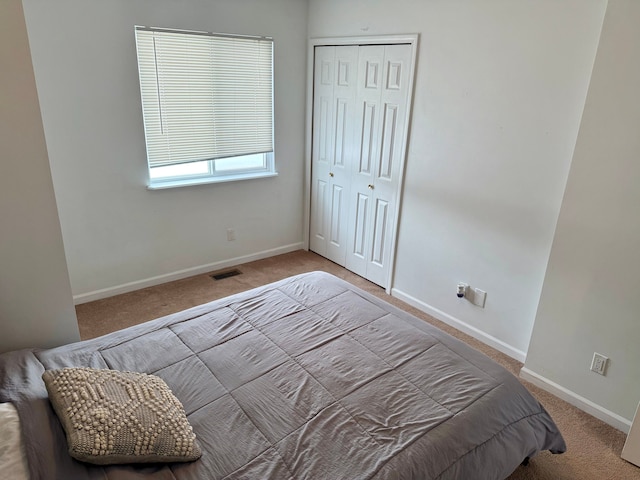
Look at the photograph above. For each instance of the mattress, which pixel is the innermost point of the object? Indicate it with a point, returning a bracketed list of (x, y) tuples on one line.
[(306, 378)]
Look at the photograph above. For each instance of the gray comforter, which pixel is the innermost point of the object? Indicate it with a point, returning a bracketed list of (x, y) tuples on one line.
[(306, 378)]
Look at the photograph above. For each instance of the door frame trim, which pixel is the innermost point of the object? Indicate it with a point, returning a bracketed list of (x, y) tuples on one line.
[(412, 40)]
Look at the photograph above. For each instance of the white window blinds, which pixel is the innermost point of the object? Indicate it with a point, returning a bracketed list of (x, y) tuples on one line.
[(204, 96)]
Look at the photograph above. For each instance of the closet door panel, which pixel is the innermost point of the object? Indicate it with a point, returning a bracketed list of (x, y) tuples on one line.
[(322, 148), (335, 72), (385, 182), (367, 151), (344, 98)]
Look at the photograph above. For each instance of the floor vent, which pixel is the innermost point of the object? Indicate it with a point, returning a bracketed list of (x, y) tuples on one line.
[(225, 274)]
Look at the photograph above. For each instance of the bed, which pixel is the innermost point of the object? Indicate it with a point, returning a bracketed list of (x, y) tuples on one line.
[(306, 378)]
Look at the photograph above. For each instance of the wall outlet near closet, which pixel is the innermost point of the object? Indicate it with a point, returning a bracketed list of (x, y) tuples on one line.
[(599, 363), (474, 295), (479, 297)]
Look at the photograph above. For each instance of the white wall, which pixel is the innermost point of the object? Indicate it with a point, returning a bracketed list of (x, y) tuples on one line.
[(591, 296), (115, 230), (36, 308), (500, 88)]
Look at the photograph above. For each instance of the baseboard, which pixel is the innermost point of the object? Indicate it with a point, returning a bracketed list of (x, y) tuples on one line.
[(584, 404), (180, 274), (460, 325)]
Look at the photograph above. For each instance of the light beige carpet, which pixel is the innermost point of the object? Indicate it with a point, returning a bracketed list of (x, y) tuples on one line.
[(593, 447)]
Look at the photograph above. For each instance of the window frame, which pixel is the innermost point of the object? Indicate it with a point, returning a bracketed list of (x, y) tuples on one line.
[(160, 183)]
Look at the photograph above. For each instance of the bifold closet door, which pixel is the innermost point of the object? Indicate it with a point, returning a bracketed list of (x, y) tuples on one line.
[(359, 123), (381, 106), (335, 75)]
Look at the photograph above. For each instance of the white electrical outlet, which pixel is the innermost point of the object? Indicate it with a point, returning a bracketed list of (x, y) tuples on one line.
[(231, 234), (479, 297), (599, 363)]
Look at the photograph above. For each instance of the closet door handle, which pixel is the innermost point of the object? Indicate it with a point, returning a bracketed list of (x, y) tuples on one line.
[(370, 187), (331, 174)]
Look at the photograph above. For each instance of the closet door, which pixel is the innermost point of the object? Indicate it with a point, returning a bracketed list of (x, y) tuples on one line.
[(381, 105), (335, 76), (361, 96)]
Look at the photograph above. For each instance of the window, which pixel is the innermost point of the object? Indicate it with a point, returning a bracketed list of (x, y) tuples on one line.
[(207, 103)]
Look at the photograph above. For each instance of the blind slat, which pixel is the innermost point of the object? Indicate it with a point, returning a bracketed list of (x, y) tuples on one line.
[(205, 96)]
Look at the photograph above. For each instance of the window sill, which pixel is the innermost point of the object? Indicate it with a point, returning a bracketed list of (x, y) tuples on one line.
[(187, 182)]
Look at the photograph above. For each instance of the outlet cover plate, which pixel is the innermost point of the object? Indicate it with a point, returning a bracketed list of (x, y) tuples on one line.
[(599, 363), (479, 297)]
